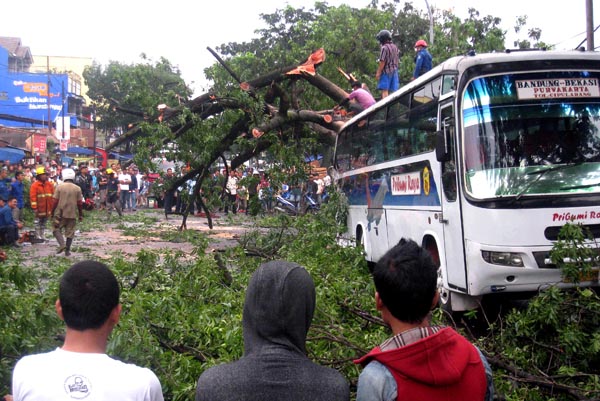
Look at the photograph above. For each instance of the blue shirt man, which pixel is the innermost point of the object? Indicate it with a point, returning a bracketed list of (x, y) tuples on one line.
[(423, 60), (4, 183), (16, 190), (9, 228)]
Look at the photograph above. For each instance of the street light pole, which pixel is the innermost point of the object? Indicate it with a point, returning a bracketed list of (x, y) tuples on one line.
[(589, 19), (431, 22)]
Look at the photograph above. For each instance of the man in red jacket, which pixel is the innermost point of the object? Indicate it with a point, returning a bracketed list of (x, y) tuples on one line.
[(420, 362)]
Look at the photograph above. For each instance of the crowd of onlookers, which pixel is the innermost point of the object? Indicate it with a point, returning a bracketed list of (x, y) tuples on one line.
[(126, 189)]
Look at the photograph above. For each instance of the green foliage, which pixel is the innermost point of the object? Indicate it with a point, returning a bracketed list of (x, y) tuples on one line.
[(573, 255), (28, 322), (138, 88), (555, 338)]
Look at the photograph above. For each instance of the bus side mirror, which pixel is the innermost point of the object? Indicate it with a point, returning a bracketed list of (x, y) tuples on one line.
[(442, 151)]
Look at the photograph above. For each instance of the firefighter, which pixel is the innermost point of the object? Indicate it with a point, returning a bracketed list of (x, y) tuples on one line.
[(40, 196)]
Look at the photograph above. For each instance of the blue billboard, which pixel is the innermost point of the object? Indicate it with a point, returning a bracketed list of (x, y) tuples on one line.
[(26, 97)]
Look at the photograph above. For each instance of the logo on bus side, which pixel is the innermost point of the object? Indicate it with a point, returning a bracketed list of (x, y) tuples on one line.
[(406, 184)]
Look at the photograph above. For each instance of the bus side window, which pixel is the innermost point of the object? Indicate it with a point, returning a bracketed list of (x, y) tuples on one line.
[(423, 120), (396, 128), (377, 138), (448, 84)]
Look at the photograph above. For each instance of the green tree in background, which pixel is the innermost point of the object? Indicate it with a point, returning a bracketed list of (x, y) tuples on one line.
[(125, 94)]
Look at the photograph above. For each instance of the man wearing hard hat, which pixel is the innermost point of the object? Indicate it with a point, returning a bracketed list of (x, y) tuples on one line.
[(423, 60), (66, 207), (40, 196)]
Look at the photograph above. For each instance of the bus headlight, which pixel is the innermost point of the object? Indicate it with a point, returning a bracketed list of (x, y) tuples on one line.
[(503, 258)]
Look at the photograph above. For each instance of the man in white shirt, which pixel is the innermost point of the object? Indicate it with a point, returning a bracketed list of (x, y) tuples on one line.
[(124, 181), (231, 187), (89, 305)]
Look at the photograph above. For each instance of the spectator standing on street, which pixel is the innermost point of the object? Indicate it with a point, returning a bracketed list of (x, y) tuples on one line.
[(17, 190), (420, 361), (67, 206), (231, 188), (89, 305), (5, 182), (112, 193), (169, 192), (124, 182), (133, 189), (40, 196), (102, 188), (141, 199), (278, 311), (387, 70), (84, 181)]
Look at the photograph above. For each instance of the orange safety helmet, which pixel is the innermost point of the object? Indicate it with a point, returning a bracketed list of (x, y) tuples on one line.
[(421, 43)]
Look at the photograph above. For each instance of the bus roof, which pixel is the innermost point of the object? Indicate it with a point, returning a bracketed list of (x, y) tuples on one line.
[(462, 63)]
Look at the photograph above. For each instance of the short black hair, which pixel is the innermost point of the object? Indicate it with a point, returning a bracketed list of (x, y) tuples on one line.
[(88, 293), (406, 280)]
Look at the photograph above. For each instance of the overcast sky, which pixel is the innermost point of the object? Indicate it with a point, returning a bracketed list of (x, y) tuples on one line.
[(180, 30)]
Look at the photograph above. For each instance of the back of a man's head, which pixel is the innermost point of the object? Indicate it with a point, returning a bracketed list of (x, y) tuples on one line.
[(406, 279), (88, 293)]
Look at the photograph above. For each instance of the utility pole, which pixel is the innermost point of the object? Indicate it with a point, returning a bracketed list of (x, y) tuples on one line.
[(589, 22), (429, 12), (63, 116), (48, 96)]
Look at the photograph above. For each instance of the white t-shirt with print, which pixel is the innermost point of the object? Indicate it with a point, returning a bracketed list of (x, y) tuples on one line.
[(63, 375), (125, 178)]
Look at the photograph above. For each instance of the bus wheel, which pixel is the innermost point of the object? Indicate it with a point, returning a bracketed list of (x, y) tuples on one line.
[(360, 243), (360, 239)]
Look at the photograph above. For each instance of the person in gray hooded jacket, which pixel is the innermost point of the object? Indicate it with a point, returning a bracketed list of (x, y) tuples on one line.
[(278, 311)]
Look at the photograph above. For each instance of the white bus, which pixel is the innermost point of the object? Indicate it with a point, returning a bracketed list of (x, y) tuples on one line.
[(481, 160)]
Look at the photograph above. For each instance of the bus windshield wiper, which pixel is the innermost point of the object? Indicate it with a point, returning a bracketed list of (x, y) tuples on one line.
[(540, 173)]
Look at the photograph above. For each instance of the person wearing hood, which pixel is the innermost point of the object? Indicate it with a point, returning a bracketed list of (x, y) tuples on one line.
[(278, 311), (420, 362), (68, 204)]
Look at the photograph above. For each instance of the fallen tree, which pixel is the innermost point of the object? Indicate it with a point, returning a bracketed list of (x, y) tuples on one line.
[(278, 112)]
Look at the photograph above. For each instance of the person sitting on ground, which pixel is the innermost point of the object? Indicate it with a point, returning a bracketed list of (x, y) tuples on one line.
[(89, 305), (278, 311), (359, 99), (9, 228), (420, 362)]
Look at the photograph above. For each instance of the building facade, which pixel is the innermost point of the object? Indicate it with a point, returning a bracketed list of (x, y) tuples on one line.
[(41, 105)]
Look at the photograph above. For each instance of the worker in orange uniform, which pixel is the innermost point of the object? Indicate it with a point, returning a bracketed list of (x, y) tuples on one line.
[(40, 195)]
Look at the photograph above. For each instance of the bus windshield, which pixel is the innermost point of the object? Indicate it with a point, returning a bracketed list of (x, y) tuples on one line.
[(519, 128)]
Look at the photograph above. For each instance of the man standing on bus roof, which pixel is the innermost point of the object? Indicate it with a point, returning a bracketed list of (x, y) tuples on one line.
[(423, 59), (387, 70), (420, 361)]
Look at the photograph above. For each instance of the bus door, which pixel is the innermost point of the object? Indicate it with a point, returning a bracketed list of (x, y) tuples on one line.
[(455, 270), (376, 235)]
